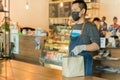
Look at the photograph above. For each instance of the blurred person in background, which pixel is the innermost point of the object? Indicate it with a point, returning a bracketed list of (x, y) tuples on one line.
[(114, 27), (103, 24), (96, 21), (103, 27)]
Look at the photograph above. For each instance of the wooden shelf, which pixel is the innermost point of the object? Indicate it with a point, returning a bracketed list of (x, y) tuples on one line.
[(60, 18), (4, 11), (58, 1), (92, 8), (53, 2)]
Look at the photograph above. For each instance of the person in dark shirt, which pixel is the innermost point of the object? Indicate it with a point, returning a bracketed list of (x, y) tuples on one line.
[(96, 21), (103, 27), (103, 24), (84, 36)]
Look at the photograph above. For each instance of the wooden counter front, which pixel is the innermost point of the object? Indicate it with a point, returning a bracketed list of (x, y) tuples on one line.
[(27, 51), (17, 70)]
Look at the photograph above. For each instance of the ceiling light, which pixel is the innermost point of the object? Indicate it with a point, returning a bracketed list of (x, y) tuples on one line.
[(27, 6)]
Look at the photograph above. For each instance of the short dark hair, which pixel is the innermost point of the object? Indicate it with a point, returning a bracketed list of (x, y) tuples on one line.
[(82, 4), (104, 17), (114, 17), (96, 19)]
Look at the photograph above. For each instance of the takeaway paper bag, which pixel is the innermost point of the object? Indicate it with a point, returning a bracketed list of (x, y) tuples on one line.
[(73, 66)]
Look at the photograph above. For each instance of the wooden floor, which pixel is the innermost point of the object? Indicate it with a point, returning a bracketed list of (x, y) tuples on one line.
[(17, 70)]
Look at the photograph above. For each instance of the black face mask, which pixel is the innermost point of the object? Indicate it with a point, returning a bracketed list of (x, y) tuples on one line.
[(75, 16)]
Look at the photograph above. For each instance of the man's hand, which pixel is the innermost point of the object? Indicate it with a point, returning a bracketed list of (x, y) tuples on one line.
[(79, 49)]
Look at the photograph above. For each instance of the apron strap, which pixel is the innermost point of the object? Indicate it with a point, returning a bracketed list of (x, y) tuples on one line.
[(81, 28)]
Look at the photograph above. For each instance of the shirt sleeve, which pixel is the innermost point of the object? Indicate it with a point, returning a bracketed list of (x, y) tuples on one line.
[(110, 28), (94, 34)]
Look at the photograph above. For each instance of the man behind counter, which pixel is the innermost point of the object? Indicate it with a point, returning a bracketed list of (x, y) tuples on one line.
[(84, 36)]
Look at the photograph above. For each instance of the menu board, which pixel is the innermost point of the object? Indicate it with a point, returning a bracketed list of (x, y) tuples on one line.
[(53, 10), (64, 11), (56, 11)]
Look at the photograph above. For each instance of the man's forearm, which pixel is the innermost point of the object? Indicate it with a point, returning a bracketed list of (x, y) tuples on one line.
[(92, 47)]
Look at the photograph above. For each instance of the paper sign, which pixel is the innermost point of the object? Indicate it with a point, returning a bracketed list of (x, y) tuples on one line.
[(102, 42)]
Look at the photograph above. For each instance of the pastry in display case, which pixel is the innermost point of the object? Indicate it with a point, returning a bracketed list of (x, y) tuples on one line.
[(57, 46)]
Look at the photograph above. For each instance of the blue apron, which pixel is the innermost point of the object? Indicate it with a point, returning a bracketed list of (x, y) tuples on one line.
[(74, 41)]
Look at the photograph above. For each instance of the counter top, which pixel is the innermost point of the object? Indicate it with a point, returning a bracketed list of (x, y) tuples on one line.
[(17, 70)]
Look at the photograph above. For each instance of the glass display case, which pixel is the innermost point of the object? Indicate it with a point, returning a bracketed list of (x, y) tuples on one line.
[(56, 45)]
